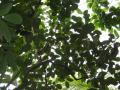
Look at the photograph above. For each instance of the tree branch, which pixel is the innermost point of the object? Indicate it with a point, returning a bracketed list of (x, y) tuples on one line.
[(37, 65), (32, 68), (13, 79)]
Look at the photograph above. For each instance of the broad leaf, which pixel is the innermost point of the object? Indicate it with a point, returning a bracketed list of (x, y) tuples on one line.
[(5, 8), (13, 18), (4, 31)]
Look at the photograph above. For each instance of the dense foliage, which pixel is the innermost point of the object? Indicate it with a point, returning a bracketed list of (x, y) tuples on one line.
[(43, 46)]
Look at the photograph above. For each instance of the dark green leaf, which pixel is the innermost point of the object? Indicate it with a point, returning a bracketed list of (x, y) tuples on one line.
[(5, 8), (4, 31), (69, 79), (13, 18), (67, 84), (59, 86)]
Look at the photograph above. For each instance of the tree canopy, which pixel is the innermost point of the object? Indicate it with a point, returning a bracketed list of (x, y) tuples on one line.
[(43, 46)]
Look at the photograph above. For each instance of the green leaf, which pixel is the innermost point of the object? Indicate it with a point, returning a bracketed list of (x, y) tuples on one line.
[(4, 31), (5, 8), (116, 33), (69, 79), (74, 6), (79, 11), (59, 86), (76, 19), (13, 18), (111, 80), (10, 58), (92, 89), (67, 84)]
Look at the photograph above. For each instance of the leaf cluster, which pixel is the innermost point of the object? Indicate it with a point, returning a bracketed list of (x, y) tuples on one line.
[(43, 44)]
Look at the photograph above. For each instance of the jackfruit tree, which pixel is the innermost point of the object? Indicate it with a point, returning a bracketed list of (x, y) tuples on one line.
[(45, 46)]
